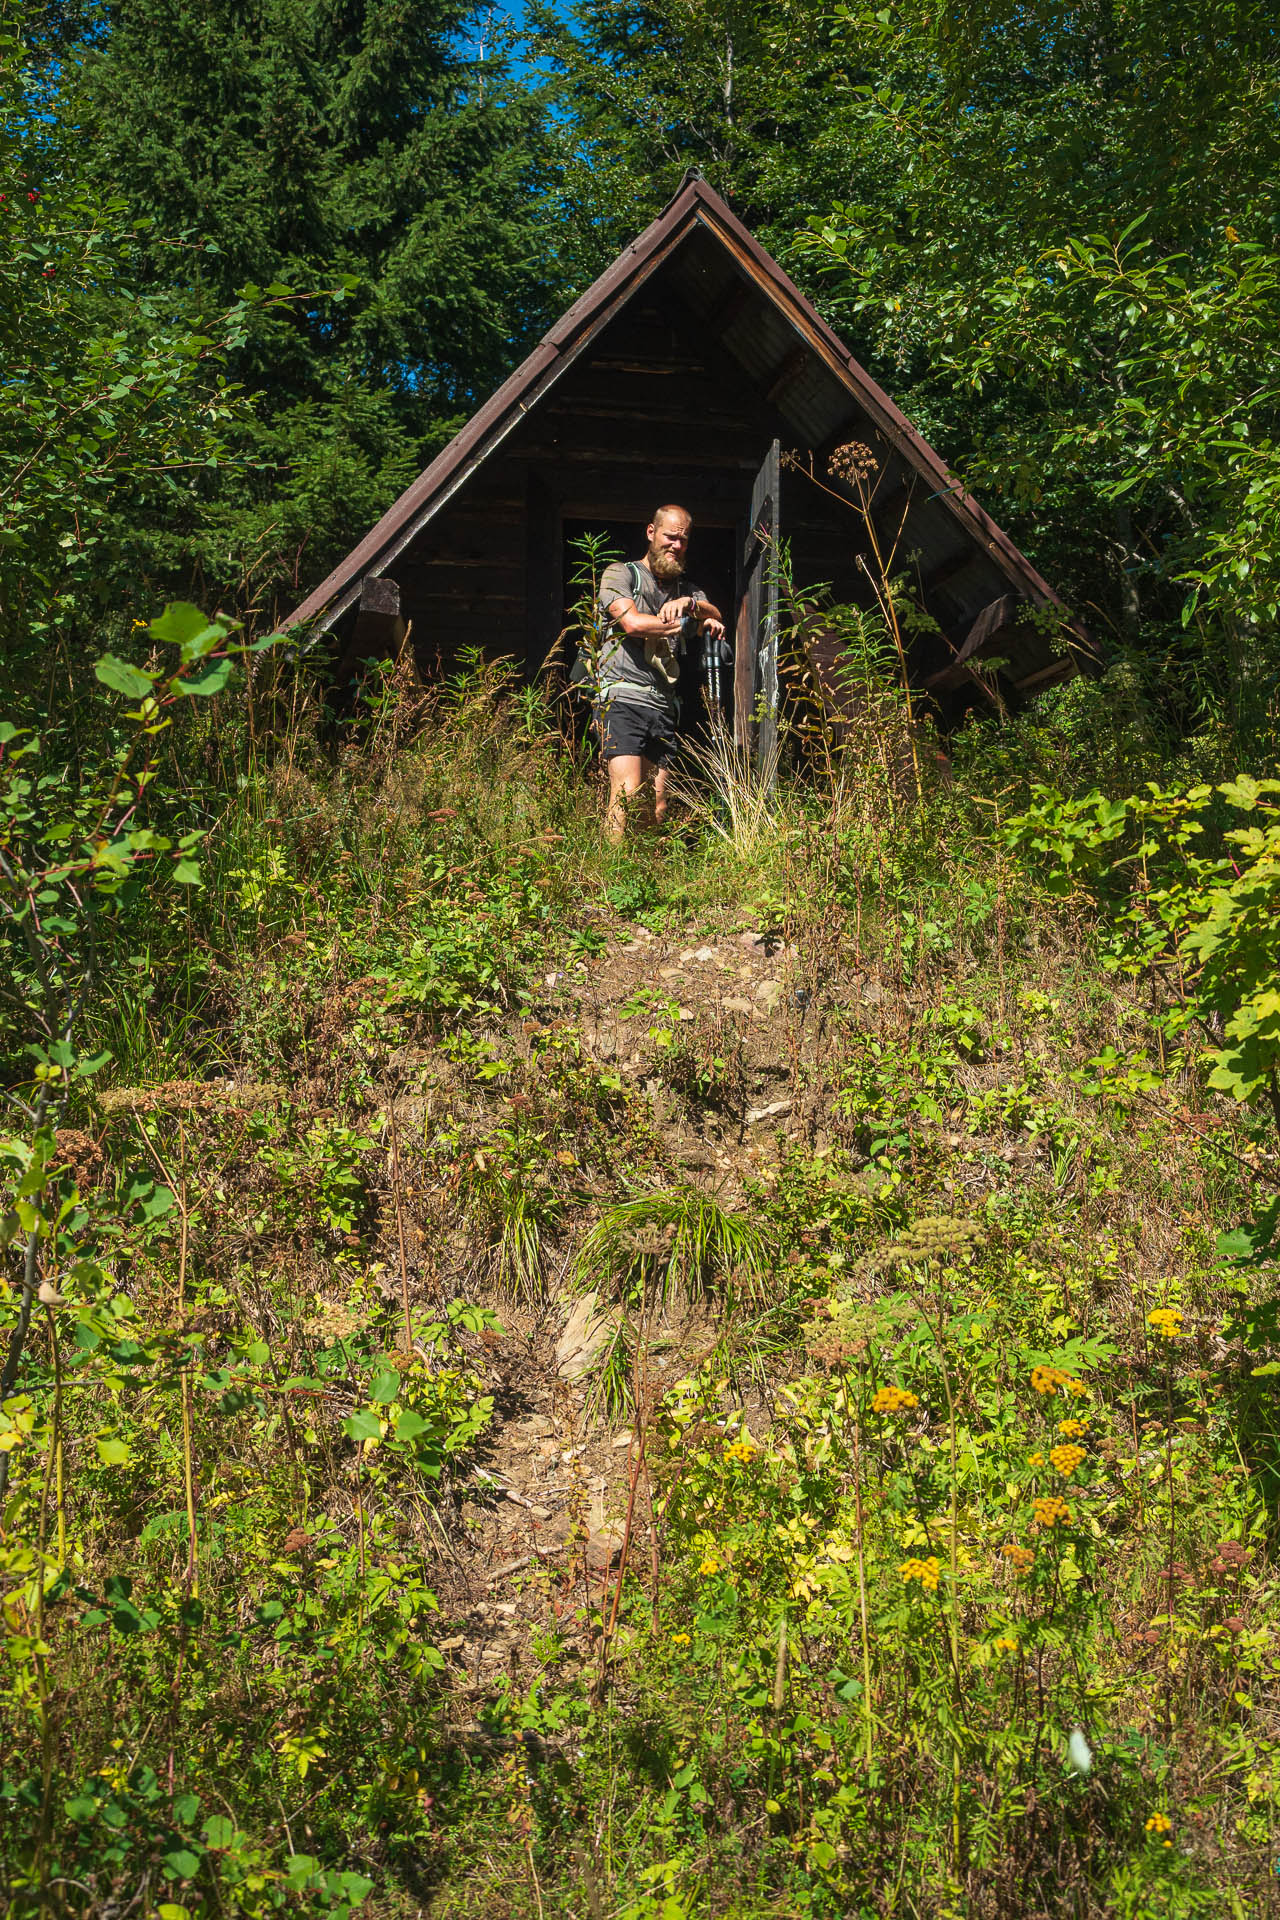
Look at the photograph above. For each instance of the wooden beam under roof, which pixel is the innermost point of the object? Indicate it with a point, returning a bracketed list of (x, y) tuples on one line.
[(995, 616), (1056, 670), (788, 373), (942, 575), (379, 628), (731, 305)]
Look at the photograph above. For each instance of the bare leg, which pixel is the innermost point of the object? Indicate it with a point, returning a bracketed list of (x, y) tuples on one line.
[(628, 773), (659, 791)]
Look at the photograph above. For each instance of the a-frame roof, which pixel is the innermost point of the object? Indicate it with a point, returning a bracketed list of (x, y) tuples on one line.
[(814, 356)]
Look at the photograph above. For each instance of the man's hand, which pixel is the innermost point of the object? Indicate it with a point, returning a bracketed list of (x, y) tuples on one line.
[(709, 620), (645, 626)]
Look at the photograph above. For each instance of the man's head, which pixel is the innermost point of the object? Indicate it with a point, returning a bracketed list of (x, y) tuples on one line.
[(668, 537)]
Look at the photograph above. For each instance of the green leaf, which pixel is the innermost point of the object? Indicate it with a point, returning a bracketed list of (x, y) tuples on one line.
[(362, 1425), (212, 680), (121, 677), (186, 873), (128, 1619), (185, 626), (384, 1386), (113, 1452), (159, 1202), (182, 1863), (219, 1831), (410, 1425), (83, 1807), (1241, 792), (1251, 1243)]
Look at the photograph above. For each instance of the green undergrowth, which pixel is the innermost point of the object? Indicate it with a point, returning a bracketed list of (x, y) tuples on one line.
[(951, 1587)]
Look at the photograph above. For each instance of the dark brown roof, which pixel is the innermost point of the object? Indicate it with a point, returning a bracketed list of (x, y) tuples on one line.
[(695, 206)]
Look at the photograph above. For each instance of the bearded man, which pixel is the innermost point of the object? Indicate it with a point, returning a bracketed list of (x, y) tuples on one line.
[(644, 604)]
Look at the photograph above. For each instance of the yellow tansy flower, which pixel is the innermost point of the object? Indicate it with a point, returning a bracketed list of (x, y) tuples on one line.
[(1051, 1512), (1167, 1322), (1051, 1380), (894, 1400)]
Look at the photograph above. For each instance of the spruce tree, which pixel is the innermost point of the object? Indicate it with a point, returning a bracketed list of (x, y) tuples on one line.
[(354, 148), (749, 91)]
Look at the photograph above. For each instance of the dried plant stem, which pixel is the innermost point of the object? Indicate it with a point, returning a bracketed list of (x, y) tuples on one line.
[(779, 1699), (626, 1537), (1168, 1631), (639, 1397), (953, 1519), (862, 1571), (188, 1472), (30, 1279), (47, 1740), (399, 1199)]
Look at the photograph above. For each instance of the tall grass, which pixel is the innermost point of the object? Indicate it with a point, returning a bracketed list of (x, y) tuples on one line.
[(726, 788), (680, 1240)]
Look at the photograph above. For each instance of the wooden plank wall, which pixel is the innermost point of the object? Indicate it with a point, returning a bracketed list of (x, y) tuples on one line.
[(642, 417), (657, 408)]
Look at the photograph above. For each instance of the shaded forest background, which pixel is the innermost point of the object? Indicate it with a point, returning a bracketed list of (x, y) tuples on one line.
[(263, 260)]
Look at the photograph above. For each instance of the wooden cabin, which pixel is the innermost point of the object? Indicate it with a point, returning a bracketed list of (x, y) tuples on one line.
[(694, 370)]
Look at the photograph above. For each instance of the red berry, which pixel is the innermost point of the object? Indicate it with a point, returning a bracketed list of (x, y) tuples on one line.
[(33, 196)]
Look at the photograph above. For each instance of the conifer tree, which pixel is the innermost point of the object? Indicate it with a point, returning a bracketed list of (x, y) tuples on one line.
[(751, 93), (355, 148)]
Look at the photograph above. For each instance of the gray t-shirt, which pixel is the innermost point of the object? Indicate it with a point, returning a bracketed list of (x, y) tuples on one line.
[(634, 669)]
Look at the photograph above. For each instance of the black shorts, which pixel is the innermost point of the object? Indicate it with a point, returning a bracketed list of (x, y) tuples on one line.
[(628, 728)]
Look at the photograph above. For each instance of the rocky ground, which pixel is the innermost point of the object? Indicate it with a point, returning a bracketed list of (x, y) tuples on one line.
[(545, 1516)]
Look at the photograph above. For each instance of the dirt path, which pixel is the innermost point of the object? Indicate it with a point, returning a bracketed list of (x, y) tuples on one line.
[(542, 1523)]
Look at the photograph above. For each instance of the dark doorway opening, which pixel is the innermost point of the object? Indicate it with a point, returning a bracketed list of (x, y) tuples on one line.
[(712, 569)]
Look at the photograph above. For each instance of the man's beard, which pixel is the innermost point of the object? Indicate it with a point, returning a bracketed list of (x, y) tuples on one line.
[(663, 565)]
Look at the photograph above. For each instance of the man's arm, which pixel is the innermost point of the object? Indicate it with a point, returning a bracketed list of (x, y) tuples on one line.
[(644, 626)]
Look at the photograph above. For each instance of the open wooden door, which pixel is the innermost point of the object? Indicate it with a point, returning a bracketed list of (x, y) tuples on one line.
[(755, 674)]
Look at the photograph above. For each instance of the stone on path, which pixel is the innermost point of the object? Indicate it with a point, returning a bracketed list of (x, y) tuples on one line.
[(588, 1328)]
